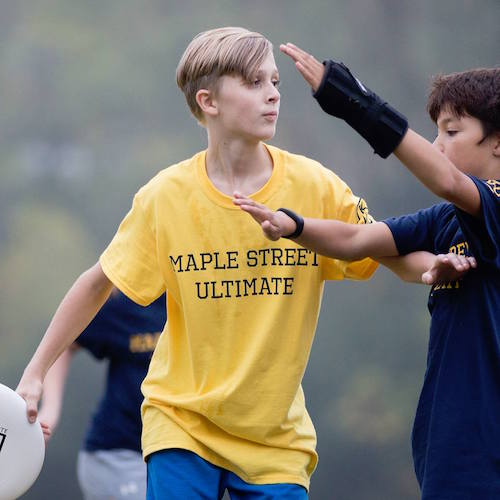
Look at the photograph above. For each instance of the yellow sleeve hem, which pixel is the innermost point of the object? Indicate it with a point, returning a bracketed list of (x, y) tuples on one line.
[(119, 283)]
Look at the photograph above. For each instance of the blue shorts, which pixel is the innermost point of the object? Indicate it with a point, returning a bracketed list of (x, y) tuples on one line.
[(177, 474)]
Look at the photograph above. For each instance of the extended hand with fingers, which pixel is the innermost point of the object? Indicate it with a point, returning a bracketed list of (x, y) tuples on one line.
[(274, 224), (341, 94), (448, 267), (307, 65)]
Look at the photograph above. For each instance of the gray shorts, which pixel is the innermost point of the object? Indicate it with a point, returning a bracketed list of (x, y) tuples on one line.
[(112, 474)]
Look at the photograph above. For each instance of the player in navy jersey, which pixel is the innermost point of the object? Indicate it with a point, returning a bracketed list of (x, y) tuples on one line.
[(456, 433), (110, 464)]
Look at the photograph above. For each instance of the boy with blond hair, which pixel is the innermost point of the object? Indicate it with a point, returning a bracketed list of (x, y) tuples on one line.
[(224, 406), (456, 433)]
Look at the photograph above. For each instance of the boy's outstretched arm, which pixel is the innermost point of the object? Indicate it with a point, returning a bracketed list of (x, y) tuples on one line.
[(438, 173), (342, 95), (79, 306), (341, 240), (429, 269), (328, 237)]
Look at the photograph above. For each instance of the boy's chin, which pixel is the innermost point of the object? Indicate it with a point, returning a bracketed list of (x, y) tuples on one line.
[(261, 135), (266, 136)]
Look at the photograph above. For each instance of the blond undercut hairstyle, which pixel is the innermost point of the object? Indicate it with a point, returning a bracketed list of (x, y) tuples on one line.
[(215, 53)]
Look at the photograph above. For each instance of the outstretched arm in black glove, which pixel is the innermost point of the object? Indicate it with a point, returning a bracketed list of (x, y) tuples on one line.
[(341, 94)]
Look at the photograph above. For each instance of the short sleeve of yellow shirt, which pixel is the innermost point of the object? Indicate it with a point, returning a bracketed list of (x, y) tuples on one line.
[(131, 261)]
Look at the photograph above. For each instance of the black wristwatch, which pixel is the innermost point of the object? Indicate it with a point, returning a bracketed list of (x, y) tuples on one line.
[(299, 222)]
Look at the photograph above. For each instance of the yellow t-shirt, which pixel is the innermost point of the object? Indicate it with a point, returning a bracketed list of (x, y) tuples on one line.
[(225, 378)]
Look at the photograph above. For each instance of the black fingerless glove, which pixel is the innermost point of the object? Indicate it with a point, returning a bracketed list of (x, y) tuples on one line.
[(342, 95)]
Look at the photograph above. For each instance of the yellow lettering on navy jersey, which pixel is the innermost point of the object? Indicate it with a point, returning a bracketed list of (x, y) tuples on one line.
[(460, 248), (447, 285), (494, 186), (143, 342)]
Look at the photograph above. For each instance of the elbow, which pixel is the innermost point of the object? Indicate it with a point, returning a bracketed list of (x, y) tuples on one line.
[(446, 191), (348, 250), (353, 254), (450, 187), (97, 282)]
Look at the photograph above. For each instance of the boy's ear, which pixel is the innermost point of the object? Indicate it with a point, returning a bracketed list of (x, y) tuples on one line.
[(206, 102), (496, 144)]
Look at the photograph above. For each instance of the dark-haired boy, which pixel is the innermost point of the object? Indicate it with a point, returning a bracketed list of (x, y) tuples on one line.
[(456, 433)]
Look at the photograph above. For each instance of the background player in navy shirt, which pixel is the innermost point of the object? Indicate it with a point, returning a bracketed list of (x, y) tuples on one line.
[(110, 464), (456, 433)]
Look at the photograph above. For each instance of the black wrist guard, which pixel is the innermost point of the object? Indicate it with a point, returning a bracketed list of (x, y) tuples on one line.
[(342, 95), (299, 223)]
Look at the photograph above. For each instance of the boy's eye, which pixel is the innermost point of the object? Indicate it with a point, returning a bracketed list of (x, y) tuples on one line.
[(257, 82), (451, 133)]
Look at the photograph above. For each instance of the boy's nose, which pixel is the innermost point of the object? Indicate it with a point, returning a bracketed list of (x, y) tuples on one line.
[(274, 98), (438, 144), (274, 95)]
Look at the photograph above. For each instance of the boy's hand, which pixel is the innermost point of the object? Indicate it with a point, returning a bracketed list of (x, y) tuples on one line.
[(448, 267), (341, 94), (308, 66), (48, 416), (30, 389), (273, 224), (47, 432)]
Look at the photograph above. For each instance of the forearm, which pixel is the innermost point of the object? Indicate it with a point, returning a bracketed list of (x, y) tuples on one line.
[(345, 241), (356, 241), (79, 306), (437, 173), (332, 238), (53, 388), (409, 267)]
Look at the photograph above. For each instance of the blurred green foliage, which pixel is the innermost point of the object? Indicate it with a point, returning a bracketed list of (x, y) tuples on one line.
[(89, 111)]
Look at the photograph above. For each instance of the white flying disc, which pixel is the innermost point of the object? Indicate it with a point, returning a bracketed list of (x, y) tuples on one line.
[(22, 447)]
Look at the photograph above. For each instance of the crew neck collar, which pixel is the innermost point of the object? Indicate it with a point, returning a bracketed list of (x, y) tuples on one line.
[(261, 196)]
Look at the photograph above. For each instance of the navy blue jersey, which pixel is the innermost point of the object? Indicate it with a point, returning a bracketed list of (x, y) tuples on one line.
[(456, 433), (125, 334)]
